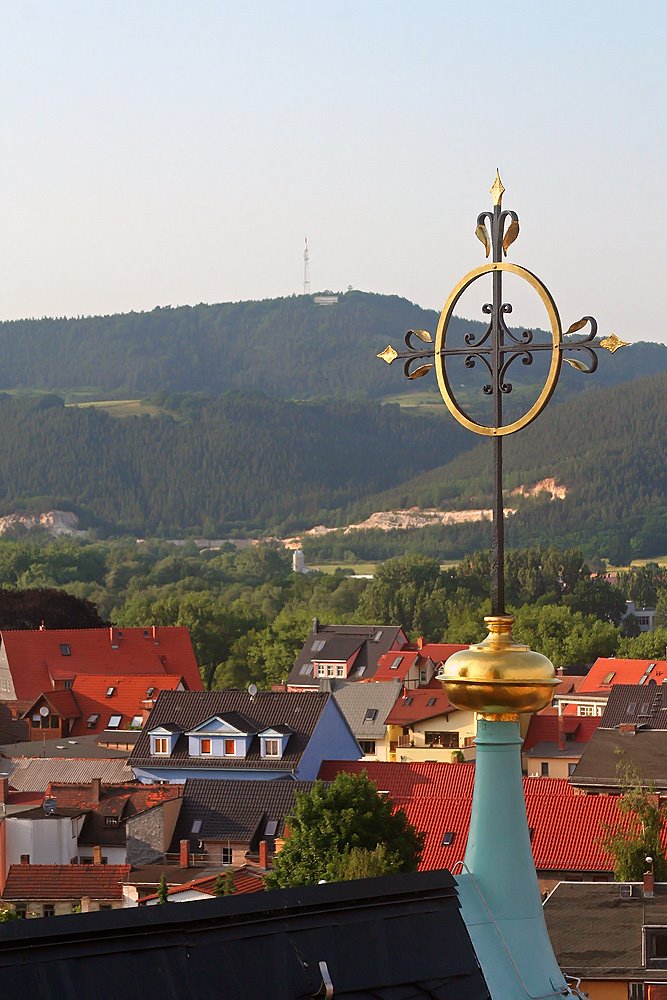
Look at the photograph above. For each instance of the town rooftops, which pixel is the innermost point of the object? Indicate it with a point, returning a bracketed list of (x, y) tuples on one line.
[(609, 671), (597, 931), (245, 880), (57, 882), (64, 746), (235, 810), (34, 774), (39, 658), (566, 828), (333, 645), (418, 704), (366, 706), (105, 802), (636, 704), (643, 749), (545, 732), (187, 710)]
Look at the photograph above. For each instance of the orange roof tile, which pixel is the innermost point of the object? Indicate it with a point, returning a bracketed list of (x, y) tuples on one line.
[(52, 882), (440, 652), (404, 660), (120, 799), (37, 657), (244, 881), (418, 704), (623, 672)]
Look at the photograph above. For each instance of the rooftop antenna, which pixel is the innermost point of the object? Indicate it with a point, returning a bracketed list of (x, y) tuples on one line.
[(306, 267)]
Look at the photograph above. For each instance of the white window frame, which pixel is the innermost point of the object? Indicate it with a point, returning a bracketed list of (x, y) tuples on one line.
[(158, 743)]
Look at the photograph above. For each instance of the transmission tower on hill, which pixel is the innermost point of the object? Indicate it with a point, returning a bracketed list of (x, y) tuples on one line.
[(306, 268)]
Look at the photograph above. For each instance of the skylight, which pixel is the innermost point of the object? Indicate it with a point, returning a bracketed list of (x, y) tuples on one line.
[(430, 703), (150, 692), (631, 707), (448, 838), (137, 721), (318, 645), (92, 719), (114, 721), (111, 691), (271, 828), (64, 649), (608, 678), (196, 826), (396, 663), (408, 700), (371, 715)]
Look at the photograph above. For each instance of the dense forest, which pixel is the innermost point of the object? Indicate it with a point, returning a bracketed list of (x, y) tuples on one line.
[(238, 462), (289, 348), (245, 462)]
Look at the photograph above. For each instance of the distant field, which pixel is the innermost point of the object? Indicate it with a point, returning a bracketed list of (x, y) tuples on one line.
[(122, 407), (660, 560), (364, 567)]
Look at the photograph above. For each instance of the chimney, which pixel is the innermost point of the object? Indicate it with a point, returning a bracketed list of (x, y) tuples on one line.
[(25, 859), (561, 732), (420, 642), (96, 791), (649, 879), (263, 854), (4, 790), (97, 855), (154, 631), (627, 728), (184, 854), (316, 625)]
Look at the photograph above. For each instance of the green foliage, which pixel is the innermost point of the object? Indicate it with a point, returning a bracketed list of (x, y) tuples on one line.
[(224, 884), (360, 862), (567, 637), (329, 822), (406, 591), (6, 915), (646, 646), (163, 890), (630, 847)]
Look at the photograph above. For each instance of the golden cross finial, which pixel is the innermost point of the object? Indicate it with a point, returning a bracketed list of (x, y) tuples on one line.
[(497, 190)]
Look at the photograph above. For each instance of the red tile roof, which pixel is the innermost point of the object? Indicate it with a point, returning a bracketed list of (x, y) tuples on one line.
[(244, 881), (567, 827), (128, 700), (404, 660), (52, 882), (624, 672), (544, 729), (37, 657), (418, 704), (440, 652)]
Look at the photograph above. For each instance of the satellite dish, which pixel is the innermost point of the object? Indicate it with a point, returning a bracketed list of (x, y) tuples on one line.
[(43, 711), (252, 690)]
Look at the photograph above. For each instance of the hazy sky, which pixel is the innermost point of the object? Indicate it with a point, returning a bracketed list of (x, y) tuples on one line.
[(157, 152)]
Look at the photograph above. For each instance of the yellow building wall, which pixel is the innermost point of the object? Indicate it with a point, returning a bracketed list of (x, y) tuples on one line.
[(600, 989), (558, 766)]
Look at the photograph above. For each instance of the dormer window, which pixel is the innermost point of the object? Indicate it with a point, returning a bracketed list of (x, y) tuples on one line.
[(205, 746), (272, 742), (160, 744), (272, 748), (230, 748)]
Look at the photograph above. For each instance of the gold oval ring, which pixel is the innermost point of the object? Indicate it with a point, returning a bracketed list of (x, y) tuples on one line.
[(556, 357)]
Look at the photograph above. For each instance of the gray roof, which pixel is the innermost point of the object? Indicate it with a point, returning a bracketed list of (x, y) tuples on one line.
[(551, 749), (65, 746), (358, 701), (597, 934), (300, 711), (646, 750), (641, 704), (340, 642), (235, 810), (35, 774)]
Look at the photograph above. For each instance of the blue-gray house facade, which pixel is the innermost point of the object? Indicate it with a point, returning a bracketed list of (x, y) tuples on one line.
[(233, 734)]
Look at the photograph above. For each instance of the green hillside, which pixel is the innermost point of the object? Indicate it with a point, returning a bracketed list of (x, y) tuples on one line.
[(289, 348)]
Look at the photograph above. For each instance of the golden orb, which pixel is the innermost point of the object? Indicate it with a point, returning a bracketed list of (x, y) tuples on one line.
[(498, 677)]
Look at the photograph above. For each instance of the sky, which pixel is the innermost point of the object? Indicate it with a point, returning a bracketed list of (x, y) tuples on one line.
[(157, 152)]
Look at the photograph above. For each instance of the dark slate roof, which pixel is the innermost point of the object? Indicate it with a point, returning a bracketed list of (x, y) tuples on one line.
[(597, 934), (356, 701), (645, 749), (400, 937), (187, 709), (641, 704), (340, 642), (235, 810), (65, 746), (549, 749)]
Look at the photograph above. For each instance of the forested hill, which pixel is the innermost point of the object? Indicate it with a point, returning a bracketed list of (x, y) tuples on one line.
[(217, 465), (607, 446), (290, 348)]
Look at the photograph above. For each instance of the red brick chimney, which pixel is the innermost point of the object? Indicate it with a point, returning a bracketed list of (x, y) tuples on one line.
[(184, 854), (97, 855), (25, 859), (4, 790), (628, 728), (561, 732), (96, 791), (263, 854)]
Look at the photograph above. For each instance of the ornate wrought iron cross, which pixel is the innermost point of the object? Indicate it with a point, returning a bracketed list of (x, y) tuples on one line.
[(497, 349)]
